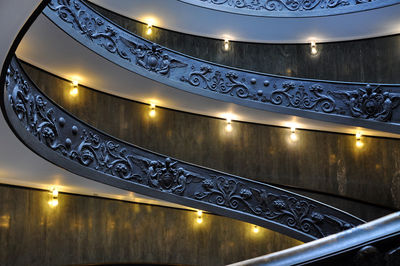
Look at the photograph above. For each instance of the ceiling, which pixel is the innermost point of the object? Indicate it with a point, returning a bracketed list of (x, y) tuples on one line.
[(183, 17)]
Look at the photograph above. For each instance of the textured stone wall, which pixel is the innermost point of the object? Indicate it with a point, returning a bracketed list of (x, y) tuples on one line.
[(83, 230)]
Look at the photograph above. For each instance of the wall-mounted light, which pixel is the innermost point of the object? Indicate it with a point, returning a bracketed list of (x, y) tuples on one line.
[(293, 136), (256, 229), (152, 112), (199, 217), (314, 49), (74, 90), (359, 143), (228, 127), (53, 202), (226, 44), (149, 29)]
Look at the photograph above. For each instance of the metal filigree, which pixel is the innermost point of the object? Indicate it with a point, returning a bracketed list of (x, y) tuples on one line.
[(114, 161), (370, 102), (341, 101), (297, 96), (290, 7)]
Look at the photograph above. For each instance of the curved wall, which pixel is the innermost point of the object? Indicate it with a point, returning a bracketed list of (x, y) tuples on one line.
[(83, 230), (369, 60), (326, 162)]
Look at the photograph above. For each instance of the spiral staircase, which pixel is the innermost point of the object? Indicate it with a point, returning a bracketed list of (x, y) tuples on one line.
[(57, 36)]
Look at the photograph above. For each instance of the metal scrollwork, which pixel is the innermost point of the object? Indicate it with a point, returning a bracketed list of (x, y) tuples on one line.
[(295, 96), (291, 7), (115, 160), (370, 102)]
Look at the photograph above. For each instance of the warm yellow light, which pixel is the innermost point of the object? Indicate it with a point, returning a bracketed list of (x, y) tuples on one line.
[(358, 135), (53, 202), (314, 50), (359, 144), (226, 44), (54, 193), (199, 213), (228, 127), (199, 220), (75, 83), (74, 91), (152, 112), (149, 29), (256, 229), (293, 135)]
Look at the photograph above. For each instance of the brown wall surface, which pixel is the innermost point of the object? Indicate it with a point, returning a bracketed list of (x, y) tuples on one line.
[(319, 161), (369, 60), (85, 229)]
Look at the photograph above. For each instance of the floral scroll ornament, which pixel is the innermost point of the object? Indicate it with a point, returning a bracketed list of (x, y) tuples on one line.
[(370, 103)]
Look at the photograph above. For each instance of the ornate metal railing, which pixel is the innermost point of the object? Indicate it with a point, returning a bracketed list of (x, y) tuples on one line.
[(65, 141), (294, 8), (367, 105), (376, 243)]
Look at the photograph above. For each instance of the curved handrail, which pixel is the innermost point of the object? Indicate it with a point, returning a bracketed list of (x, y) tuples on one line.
[(295, 8), (65, 141), (373, 243), (372, 106)]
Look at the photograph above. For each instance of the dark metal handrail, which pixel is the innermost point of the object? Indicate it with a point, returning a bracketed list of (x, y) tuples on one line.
[(371, 244), (67, 142), (374, 106)]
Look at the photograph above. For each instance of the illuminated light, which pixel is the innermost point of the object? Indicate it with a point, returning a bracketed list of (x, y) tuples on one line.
[(149, 30), (228, 127), (293, 135), (359, 144), (256, 229), (152, 112), (199, 217), (53, 202), (226, 44), (74, 90), (314, 49)]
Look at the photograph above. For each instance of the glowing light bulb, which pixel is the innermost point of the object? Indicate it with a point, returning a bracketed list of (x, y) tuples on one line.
[(74, 91), (149, 29), (228, 127), (293, 135), (358, 135), (53, 202), (199, 217), (54, 193), (314, 50), (359, 144), (256, 229), (226, 44), (152, 112)]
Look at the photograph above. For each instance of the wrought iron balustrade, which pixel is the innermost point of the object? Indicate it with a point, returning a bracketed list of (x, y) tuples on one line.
[(374, 106), (294, 8), (69, 143)]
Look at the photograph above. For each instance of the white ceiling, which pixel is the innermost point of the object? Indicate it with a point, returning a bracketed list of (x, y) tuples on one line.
[(182, 17)]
